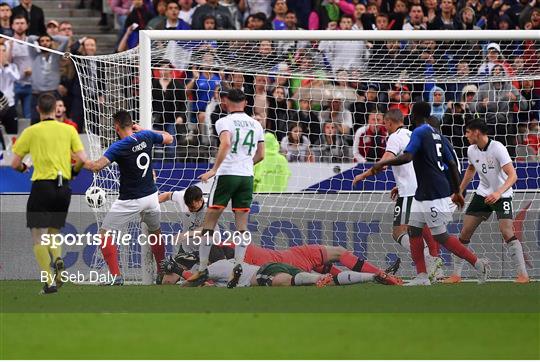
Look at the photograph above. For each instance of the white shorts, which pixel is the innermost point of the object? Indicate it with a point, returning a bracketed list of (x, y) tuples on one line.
[(436, 214), (124, 211)]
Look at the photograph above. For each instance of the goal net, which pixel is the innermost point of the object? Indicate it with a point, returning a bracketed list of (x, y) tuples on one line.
[(321, 97)]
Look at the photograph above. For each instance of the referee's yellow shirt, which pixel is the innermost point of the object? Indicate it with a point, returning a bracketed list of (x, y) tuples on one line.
[(50, 144)]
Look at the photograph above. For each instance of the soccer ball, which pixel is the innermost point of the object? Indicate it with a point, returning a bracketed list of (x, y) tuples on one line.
[(95, 197)]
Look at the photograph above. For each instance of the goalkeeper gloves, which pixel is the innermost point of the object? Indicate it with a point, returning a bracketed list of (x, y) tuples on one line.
[(170, 266)]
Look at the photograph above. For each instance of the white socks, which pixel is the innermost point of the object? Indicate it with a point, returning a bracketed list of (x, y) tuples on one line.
[(352, 277), (516, 253), (403, 240), (304, 278), (241, 248)]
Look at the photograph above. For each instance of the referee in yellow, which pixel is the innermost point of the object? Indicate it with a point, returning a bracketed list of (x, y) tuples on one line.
[(51, 145)]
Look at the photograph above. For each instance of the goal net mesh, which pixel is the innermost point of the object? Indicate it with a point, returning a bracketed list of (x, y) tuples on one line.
[(323, 102)]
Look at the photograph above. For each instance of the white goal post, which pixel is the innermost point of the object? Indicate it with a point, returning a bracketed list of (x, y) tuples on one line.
[(318, 204)]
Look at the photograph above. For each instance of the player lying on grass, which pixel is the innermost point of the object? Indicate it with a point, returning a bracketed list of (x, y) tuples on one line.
[(138, 192), (428, 152), (220, 271), (270, 274), (490, 159), (306, 257), (404, 192)]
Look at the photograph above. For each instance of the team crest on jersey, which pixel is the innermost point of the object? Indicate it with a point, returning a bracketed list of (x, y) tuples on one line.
[(491, 162)]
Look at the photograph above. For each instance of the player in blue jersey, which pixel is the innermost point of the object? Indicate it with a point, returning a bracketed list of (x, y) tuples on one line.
[(138, 192), (429, 154)]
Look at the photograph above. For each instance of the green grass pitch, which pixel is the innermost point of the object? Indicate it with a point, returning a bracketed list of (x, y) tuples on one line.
[(492, 321)]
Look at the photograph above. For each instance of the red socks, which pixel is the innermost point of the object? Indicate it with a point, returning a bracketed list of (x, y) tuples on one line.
[(457, 248), (432, 244), (110, 254), (417, 253), (356, 264)]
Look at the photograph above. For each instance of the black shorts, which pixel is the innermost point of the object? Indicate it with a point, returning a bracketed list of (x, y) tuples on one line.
[(479, 208), (402, 210), (48, 204)]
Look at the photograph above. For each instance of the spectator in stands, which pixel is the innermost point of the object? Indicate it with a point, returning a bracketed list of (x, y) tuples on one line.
[(34, 16), (531, 113), (348, 55), (9, 74), (296, 146), (416, 20), (445, 19), (400, 97), (342, 86), (161, 8), (430, 10), (257, 21), (494, 57), (367, 101), (52, 28), (260, 95), (168, 100), (45, 68), (121, 10), (495, 101), (466, 19), (186, 10), (141, 16), (278, 113), (308, 120), (65, 28), (279, 13), (398, 15), (61, 115), (364, 20), (457, 114), (331, 146), (234, 9), (86, 46), (530, 17), (252, 7), (338, 115), (172, 21), (370, 140), (5, 19), (531, 140), (288, 48), (20, 55), (437, 101), (272, 173), (382, 22), (221, 13), (203, 84), (453, 90)]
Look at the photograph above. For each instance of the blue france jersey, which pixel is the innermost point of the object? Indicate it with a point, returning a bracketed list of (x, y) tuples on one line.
[(430, 156), (133, 155)]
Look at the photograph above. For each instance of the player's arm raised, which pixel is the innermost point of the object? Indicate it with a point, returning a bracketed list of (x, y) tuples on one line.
[(167, 138), (510, 171), (224, 147)]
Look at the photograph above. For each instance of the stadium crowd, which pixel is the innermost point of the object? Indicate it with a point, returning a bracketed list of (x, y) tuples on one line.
[(335, 115)]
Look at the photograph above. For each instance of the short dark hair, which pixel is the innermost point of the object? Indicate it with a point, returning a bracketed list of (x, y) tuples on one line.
[(173, 2), (123, 118), (236, 95), (5, 4), (192, 194), (44, 36), (18, 16), (290, 11), (394, 115), (477, 124), (346, 16), (420, 111), (46, 103), (434, 122)]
